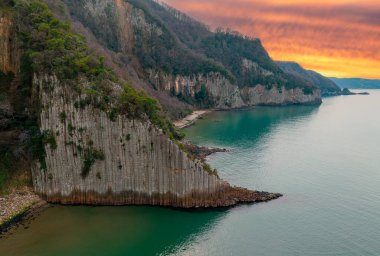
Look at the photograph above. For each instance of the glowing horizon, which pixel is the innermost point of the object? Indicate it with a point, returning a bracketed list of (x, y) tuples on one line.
[(337, 38)]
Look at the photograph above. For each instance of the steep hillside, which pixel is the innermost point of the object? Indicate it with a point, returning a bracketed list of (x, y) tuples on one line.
[(16, 121), (327, 86), (357, 83), (92, 138), (182, 58)]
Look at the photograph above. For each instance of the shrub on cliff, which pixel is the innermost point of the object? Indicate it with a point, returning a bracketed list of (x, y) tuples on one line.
[(51, 47)]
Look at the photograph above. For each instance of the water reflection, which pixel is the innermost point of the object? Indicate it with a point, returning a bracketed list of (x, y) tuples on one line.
[(108, 231), (245, 126)]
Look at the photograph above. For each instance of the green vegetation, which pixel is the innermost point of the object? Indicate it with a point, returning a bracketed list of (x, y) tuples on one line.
[(209, 170), (6, 6), (104, 25), (37, 142), (203, 98), (188, 30), (307, 91), (226, 48), (231, 48), (157, 51), (163, 51), (50, 47), (90, 156), (53, 48), (62, 116), (6, 164)]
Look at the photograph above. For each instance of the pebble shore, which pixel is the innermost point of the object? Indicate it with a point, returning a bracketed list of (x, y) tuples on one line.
[(16, 204)]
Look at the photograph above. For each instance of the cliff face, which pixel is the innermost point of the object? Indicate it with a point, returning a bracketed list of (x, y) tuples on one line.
[(177, 54), (221, 93), (226, 95), (98, 141), (260, 95), (138, 163), (9, 54), (14, 155)]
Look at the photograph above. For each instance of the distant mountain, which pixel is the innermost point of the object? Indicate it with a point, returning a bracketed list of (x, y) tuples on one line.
[(178, 60), (357, 83), (327, 86)]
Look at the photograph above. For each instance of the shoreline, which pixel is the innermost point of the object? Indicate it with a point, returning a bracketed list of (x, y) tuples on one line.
[(16, 207), (190, 119)]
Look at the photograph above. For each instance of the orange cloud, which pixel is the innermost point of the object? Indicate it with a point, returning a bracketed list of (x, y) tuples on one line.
[(335, 37)]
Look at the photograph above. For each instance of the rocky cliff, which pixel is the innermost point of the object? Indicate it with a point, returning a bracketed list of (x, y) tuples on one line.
[(98, 141), (12, 111), (260, 95), (177, 55), (220, 92), (134, 161), (9, 55)]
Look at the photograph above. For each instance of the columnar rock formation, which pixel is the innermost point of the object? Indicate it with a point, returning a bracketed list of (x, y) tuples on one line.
[(91, 157), (139, 164)]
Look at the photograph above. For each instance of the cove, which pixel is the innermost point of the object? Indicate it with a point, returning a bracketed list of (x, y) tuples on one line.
[(325, 160)]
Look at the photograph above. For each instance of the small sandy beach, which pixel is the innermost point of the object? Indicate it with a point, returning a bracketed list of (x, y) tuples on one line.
[(190, 119)]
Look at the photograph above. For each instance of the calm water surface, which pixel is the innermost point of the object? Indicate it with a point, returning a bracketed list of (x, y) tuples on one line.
[(325, 160)]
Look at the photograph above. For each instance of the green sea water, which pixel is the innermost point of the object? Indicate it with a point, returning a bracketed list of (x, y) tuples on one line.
[(325, 160)]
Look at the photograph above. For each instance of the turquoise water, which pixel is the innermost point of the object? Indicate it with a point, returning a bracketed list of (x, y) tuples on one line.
[(325, 160)]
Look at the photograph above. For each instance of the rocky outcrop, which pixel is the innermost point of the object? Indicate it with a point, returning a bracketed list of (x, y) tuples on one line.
[(87, 156), (226, 95), (260, 95), (133, 161), (154, 39), (221, 92), (202, 152), (9, 53)]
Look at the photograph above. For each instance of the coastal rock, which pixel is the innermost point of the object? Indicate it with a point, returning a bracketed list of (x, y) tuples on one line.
[(139, 164), (144, 34), (221, 92), (260, 95), (91, 158), (202, 152)]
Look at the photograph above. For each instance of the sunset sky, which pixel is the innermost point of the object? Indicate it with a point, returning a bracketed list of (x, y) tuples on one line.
[(334, 37)]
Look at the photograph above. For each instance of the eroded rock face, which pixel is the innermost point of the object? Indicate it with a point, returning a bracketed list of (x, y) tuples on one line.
[(259, 95), (9, 54), (91, 159), (134, 26), (139, 164), (222, 93)]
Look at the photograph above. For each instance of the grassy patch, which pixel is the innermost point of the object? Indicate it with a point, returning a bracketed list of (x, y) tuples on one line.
[(90, 157)]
